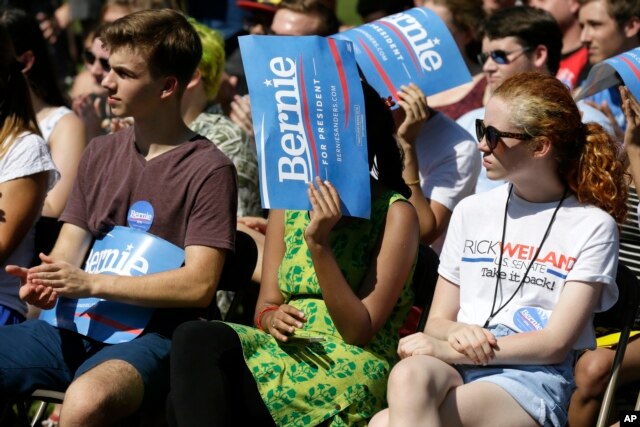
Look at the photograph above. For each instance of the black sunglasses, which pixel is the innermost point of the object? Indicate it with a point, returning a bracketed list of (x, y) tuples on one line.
[(501, 56), (90, 58), (493, 135)]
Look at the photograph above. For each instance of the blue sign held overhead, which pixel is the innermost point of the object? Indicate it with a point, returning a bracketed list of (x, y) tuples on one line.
[(125, 252), (414, 46), (309, 120), (620, 69)]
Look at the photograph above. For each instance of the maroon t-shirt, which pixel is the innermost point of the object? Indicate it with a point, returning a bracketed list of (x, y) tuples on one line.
[(191, 188)]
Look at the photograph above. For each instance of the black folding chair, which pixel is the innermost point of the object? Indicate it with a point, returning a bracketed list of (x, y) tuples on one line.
[(425, 277), (621, 316)]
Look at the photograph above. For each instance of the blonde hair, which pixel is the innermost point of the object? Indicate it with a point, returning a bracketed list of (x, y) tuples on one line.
[(587, 156)]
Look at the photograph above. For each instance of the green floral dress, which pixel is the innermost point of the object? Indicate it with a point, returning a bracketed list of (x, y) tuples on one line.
[(304, 384)]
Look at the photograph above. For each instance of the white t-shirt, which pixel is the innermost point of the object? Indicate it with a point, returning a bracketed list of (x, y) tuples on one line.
[(28, 155), (49, 123), (468, 122), (582, 246), (449, 163)]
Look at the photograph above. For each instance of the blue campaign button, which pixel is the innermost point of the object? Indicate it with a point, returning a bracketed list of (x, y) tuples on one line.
[(530, 319), (140, 216)]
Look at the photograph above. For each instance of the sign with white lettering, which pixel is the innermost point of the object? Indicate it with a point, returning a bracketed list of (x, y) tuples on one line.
[(124, 252), (620, 69), (414, 46), (309, 120)]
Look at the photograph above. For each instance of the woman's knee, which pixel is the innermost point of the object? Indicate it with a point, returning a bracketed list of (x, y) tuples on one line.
[(592, 371), (418, 373)]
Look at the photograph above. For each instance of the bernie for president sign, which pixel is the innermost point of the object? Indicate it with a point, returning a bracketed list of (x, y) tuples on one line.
[(308, 115), (125, 252), (414, 46)]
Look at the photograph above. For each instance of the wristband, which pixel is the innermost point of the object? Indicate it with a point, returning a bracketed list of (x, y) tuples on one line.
[(267, 308), (414, 182)]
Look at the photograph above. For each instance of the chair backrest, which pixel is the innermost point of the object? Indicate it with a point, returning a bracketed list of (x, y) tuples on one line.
[(425, 277), (624, 310), (236, 274)]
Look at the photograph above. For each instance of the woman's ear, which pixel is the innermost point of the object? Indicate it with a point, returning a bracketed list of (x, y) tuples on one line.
[(27, 60), (195, 79), (541, 147)]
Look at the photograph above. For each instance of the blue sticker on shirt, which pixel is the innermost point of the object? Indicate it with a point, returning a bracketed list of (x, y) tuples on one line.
[(140, 216), (530, 319)]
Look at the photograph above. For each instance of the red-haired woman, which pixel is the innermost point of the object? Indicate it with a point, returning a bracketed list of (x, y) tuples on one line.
[(522, 271)]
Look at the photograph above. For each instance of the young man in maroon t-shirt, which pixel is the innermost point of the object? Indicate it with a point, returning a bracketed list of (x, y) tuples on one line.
[(188, 190)]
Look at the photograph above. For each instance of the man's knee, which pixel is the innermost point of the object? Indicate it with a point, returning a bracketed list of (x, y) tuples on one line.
[(109, 391)]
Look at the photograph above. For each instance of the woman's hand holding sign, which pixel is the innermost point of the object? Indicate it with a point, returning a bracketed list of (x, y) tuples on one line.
[(413, 112), (325, 201)]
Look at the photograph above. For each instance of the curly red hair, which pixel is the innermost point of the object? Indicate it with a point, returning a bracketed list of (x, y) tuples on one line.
[(588, 157)]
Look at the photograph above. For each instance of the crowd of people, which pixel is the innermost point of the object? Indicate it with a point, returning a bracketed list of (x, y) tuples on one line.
[(137, 113)]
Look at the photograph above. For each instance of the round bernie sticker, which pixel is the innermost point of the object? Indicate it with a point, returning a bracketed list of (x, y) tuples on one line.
[(530, 319), (140, 216)]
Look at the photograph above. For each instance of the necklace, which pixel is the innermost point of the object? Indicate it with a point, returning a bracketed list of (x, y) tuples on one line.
[(494, 312)]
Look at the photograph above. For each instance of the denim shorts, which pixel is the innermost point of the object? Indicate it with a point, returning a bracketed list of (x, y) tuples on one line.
[(542, 390), (36, 355)]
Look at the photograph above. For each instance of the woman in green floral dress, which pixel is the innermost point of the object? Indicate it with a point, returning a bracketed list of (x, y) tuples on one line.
[(334, 292)]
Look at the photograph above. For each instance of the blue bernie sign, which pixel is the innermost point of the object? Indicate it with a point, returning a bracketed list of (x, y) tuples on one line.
[(124, 252), (309, 120), (620, 69), (411, 46)]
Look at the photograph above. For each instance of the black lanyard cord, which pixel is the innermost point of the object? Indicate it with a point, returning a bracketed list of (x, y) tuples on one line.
[(535, 257)]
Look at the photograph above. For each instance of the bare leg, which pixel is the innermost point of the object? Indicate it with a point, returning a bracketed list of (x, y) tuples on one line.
[(483, 404), (592, 373), (417, 386), (425, 391), (109, 392)]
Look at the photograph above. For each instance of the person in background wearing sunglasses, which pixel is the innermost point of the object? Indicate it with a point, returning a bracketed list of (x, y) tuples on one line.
[(523, 269), (516, 40), (90, 99)]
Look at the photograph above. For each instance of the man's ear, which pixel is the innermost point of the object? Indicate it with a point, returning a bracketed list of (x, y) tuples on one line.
[(169, 87), (632, 27), (27, 60), (539, 56)]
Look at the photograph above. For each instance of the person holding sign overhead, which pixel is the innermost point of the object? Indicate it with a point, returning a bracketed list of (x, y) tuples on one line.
[(176, 192), (334, 292), (523, 269), (609, 28)]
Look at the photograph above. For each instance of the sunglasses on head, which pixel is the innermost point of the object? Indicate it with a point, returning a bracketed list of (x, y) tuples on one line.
[(90, 58), (493, 135), (500, 56)]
